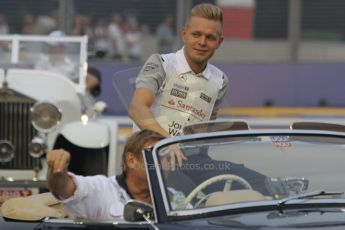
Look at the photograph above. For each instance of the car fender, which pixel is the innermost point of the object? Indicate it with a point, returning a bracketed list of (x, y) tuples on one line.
[(43, 85), (90, 135)]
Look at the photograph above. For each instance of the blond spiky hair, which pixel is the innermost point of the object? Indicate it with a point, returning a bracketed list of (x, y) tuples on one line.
[(206, 10)]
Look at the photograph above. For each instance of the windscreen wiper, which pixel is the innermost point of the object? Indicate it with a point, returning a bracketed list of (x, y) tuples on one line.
[(308, 195)]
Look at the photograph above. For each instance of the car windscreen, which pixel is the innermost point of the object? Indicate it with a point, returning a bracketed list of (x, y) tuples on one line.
[(222, 170), (62, 55)]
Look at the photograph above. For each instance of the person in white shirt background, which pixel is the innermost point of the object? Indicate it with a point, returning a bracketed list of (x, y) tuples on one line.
[(133, 39), (56, 60), (93, 83), (165, 35), (4, 29), (116, 36)]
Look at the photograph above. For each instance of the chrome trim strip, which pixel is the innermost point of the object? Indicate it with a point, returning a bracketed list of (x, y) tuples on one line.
[(254, 205), (150, 186), (114, 222), (175, 139), (160, 180)]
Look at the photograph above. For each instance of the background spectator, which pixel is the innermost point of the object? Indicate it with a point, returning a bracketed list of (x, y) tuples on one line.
[(88, 30), (4, 46), (3, 25), (116, 36), (165, 35), (45, 24), (83, 26), (134, 39), (93, 82), (78, 26), (57, 60), (28, 26), (101, 41)]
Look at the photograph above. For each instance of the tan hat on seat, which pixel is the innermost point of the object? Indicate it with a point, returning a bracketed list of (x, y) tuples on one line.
[(33, 208)]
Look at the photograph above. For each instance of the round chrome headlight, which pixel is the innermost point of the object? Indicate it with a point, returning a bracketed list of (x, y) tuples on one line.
[(37, 147), (45, 116), (6, 151)]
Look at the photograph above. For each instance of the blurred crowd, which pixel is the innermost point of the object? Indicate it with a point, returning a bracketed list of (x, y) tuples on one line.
[(120, 37)]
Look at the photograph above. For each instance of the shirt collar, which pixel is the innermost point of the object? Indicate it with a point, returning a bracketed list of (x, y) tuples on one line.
[(183, 66), (121, 181)]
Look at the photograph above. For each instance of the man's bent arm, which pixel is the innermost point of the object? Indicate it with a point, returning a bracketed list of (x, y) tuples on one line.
[(58, 180), (140, 111), (214, 116)]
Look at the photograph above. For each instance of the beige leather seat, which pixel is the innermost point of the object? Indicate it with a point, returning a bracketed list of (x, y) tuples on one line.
[(234, 196)]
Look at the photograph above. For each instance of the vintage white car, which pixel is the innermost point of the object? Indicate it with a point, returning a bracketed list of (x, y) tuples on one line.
[(42, 85)]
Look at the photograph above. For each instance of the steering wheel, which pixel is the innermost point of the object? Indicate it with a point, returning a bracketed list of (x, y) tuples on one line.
[(229, 178)]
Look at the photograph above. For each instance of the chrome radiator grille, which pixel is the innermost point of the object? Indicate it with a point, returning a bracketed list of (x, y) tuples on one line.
[(15, 127)]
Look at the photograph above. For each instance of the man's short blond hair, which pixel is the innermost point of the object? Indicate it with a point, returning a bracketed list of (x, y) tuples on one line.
[(208, 11)]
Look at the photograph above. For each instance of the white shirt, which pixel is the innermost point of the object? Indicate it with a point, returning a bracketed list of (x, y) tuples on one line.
[(100, 197), (134, 43), (117, 38), (96, 197), (64, 67), (4, 29), (177, 62)]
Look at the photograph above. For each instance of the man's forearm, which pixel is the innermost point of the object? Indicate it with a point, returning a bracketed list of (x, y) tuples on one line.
[(214, 116), (144, 119)]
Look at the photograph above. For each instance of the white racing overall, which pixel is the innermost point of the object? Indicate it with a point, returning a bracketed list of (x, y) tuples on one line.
[(185, 98), (182, 97)]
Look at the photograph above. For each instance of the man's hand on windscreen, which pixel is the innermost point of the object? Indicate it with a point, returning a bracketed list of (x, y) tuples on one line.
[(176, 155)]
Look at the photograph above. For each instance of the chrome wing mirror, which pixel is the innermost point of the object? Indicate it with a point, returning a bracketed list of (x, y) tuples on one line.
[(137, 211)]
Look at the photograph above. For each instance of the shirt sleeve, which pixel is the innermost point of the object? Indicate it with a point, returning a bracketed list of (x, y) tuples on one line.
[(90, 197), (221, 94), (152, 74)]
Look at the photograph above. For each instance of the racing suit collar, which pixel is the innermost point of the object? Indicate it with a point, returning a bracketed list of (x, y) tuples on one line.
[(183, 66)]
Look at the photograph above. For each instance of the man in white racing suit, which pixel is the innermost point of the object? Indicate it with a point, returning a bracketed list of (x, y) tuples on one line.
[(180, 88), (176, 89), (99, 196)]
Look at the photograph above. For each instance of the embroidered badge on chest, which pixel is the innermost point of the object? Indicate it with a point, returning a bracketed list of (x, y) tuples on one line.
[(205, 97), (178, 93), (150, 66), (183, 77)]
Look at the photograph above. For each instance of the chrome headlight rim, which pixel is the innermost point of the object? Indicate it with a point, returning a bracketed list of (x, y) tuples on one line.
[(37, 147), (11, 152), (41, 121)]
